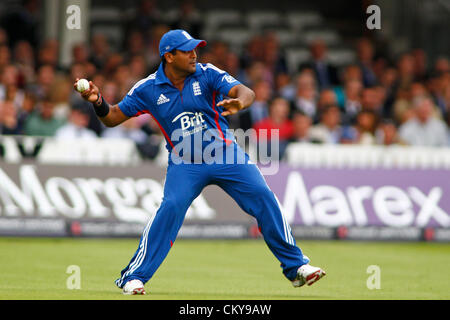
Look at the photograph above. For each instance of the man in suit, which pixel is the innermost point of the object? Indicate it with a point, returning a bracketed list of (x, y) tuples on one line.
[(326, 74)]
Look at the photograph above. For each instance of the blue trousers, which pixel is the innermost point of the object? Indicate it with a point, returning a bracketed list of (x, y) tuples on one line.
[(184, 182)]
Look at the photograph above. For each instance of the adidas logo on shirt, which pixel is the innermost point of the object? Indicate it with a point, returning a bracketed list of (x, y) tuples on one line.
[(162, 99)]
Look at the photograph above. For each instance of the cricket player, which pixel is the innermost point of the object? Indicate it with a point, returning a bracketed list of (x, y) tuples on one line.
[(187, 100)]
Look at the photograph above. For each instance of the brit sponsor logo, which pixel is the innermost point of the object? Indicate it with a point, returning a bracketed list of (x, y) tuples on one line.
[(189, 120)]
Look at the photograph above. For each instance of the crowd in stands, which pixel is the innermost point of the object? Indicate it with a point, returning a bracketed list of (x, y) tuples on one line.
[(376, 100)]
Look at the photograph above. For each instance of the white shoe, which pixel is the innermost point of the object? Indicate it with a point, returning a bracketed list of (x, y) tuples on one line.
[(134, 287), (307, 274)]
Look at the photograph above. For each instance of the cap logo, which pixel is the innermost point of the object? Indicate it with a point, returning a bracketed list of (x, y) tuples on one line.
[(187, 35)]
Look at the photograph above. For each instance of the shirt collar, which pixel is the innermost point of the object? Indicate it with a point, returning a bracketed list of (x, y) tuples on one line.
[(162, 78)]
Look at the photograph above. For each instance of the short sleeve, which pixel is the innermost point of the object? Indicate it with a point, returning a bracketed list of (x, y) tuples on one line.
[(220, 80), (131, 104)]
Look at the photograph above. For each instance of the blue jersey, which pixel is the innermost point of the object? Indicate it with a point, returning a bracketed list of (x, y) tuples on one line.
[(185, 116)]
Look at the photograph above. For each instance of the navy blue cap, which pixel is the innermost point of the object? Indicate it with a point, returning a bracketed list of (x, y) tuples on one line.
[(178, 39)]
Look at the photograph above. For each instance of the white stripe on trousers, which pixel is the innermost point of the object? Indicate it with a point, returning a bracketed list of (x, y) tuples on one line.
[(287, 229), (141, 254)]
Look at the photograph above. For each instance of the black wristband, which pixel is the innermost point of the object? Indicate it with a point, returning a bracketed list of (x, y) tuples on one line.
[(102, 109)]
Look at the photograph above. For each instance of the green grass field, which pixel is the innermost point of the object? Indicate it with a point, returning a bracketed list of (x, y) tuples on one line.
[(35, 268)]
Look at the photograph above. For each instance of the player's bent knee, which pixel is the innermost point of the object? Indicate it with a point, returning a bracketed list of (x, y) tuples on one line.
[(171, 207)]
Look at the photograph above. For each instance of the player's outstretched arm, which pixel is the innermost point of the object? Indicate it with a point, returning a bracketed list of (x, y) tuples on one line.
[(241, 97), (111, 116)]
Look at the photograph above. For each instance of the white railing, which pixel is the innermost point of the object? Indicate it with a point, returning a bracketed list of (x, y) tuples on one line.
[(103, 151), (100, 151), (358, 156)]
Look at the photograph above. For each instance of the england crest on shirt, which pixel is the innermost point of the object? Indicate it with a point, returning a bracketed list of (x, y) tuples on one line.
[(196, 88)]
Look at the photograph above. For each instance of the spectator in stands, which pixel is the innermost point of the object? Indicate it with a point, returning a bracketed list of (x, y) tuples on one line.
[(352, 72), (278, 119), (349, 73), (219, 53), (60, 93), (188, 18), (23, 56), (22, 22), (388, 80), (420, 64), (424, 129), (77, 125), (256, 72), (232, 65), (5, 56), (325, 72), (48, 54), (273, 57), (402, 107), (352, 100), (152, 51), (372, 100), (112, 63), (387, 133), (406, 72), (259, 110), (130, 129), (123, 79), (100, 50), (80, 53), (145, 16), (42, 121), (43, 85), (253, 52), (155, 139), (305, 99), (134, 45), (436, 84), (326, 97), (366, 124), (328, 130), (284, 86), (379, 66), (110, 91), (441, 65), (364, 130), (446, 96), (10, 121), (138, 68), (365, 52), (9, 85), (99, 80), (3, 37), (23, 53), (301, 125), (29, 103)]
